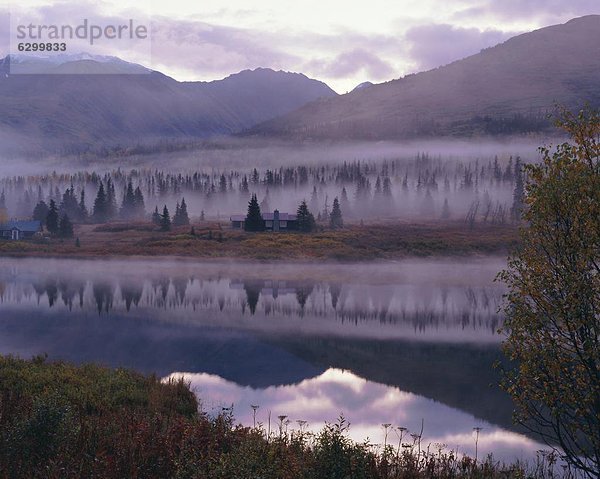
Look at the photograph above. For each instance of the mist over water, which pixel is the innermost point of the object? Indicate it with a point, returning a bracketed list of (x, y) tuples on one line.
[(381, 342), (416, 300)]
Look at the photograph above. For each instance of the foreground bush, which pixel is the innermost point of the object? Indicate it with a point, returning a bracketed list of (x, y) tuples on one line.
[(64, 421)]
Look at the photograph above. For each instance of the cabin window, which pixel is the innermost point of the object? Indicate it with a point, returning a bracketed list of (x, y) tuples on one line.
[(283, 224), (269, 224)]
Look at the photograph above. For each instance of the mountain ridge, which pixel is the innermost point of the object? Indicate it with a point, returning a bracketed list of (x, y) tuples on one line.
[(505, 89), (96, 108)]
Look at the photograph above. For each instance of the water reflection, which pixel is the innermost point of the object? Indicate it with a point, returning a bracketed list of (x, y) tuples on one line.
[(421, 311), (422, 334), (367, 405)]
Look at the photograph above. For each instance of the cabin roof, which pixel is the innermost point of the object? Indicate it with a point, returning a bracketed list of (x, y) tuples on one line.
[(28, 226)]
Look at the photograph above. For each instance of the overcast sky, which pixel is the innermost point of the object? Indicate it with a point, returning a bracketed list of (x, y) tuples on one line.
[(340, 42)]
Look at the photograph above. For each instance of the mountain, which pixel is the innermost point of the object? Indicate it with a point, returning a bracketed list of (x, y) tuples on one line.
[(253, 95), (96, 102), (509, 88), (362, 85), (61, 63)]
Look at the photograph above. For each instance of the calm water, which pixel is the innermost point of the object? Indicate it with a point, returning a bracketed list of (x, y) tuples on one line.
[(388, 343)]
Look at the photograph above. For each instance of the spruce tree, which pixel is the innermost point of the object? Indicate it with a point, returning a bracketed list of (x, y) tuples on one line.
[(156, 218), (100, 214), (344, 201), (128, 206), (40, 212), (254, 219), (83, 212), (69, 204), (176, 215), (165, 220), (111, 201), (140, 206), (181, 215), (65, 228), (335, 218), (305, 219), (52, 221)]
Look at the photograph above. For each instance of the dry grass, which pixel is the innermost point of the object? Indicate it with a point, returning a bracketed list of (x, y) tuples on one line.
[(353, 243)]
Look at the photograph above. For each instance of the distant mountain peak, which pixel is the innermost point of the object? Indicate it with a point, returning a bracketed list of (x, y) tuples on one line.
[(362, 85), (70, 63), (72, 112), (584, 19), (59, 58), (265, 72)]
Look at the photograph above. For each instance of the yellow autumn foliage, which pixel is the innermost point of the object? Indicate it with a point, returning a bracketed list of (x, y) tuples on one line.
[(553, 306)]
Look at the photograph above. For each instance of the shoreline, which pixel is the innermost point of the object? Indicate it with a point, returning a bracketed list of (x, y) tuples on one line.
[(376, 242)]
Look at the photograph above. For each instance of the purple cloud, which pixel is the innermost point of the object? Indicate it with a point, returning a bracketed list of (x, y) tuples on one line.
[(213, 49), (4, 32), (352, 62), (544, 11), (435, 45)]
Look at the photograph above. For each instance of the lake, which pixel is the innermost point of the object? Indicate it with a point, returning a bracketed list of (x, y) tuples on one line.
[(409, 343)]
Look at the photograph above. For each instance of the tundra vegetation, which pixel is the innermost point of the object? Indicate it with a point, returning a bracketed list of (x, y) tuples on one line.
[(63, 421)]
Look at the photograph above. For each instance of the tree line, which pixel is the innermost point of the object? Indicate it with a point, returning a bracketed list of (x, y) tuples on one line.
[(425, 185)]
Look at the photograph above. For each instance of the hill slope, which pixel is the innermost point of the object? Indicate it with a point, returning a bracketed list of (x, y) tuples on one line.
[(505, 89), (75, 111)]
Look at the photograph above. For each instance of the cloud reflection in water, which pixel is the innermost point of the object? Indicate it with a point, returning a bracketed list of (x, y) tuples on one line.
[(367, 405)]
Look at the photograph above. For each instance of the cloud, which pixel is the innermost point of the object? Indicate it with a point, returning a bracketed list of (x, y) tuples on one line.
[(343, 47), (210, 50), (4, 32), (543, 12), (207, 51), (351, 63), (434, 45), (365, 404)]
